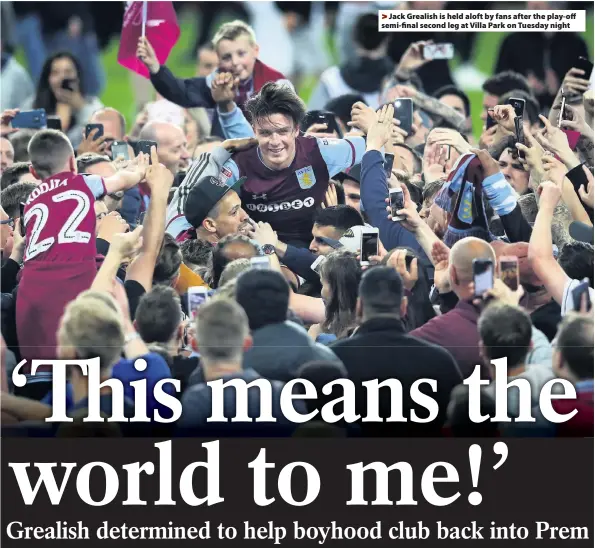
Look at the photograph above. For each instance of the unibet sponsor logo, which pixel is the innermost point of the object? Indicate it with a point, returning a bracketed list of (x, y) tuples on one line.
[(281, 206)]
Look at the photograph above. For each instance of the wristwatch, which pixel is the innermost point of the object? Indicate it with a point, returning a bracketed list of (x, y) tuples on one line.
[(268, 249)]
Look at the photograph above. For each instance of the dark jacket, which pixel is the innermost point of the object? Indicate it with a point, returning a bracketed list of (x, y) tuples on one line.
[(380, 349), (197, 407), (280, 349), (457, 332)]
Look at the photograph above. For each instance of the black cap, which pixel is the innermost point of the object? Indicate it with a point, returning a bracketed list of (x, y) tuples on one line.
[(581, 232), (204, 195), (354, 173)]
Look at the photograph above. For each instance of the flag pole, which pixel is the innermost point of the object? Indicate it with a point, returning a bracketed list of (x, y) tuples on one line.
[(143, 32)]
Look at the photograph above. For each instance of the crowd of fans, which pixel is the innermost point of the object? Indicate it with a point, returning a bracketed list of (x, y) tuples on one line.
[(228, 186)]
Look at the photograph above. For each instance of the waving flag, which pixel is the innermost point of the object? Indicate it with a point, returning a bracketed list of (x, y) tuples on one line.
[(158, 21)]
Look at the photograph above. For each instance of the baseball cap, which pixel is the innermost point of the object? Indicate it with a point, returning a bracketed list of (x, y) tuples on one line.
[(204, 195), (581, 232)]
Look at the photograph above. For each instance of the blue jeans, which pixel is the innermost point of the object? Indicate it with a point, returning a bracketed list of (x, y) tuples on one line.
[(86, 50)]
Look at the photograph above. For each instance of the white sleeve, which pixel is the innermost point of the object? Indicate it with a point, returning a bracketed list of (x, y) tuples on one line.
[(341, 154), (95, 184)]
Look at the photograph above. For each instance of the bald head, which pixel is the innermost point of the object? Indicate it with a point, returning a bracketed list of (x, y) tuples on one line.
[(114, 124), (464, 252), (171, 144)]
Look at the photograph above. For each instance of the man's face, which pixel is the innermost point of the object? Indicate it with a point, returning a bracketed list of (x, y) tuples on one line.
[(454, 102), (238, 56), (318, 246), (231, 217), (207, 62), (6, 234), (112, 129), (171, 149), (513, 172), (435, 217), (407, 159), (276, 137), (489, 101), (6, 153), (352, 193)]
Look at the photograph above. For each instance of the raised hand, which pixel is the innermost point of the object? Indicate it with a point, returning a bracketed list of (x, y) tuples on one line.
[(146, 53), (158, 177), (381, 131), (362, 117), (224, 87)]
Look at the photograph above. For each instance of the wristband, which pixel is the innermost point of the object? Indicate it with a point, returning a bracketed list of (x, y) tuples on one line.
[(131, 337)]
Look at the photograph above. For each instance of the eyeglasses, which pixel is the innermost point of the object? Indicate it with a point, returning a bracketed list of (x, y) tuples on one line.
[(9, 222)]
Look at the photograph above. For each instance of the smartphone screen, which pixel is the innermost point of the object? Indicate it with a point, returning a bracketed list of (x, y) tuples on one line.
[(263, 263), (483, 276), (22, 212), (586, 65), (389, 160), (562, 109), (145, 147), (520, 134), (518, 105), (404, 113), (577, 295), (53, 122), (197, 296), (433, 52), (509, 272), (90, 127), (120, 150), (369, 246), (328, 119), (397, 202)]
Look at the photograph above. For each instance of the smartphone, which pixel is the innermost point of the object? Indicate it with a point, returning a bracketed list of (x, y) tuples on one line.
[(518, 105), (586, 65), (263, 263), (197, 296), (23, 230), (368, 245), (68, 83), (520, 134), (397, 202), (120, 150), (432, 52), (577, 295), (53, 122), (490, 122), (145, 147), (317, 264), (30, 119), (509, 271), (483, 276), (90, 127), (328, 118), (562, 109), (404, 113), (389, 160)]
